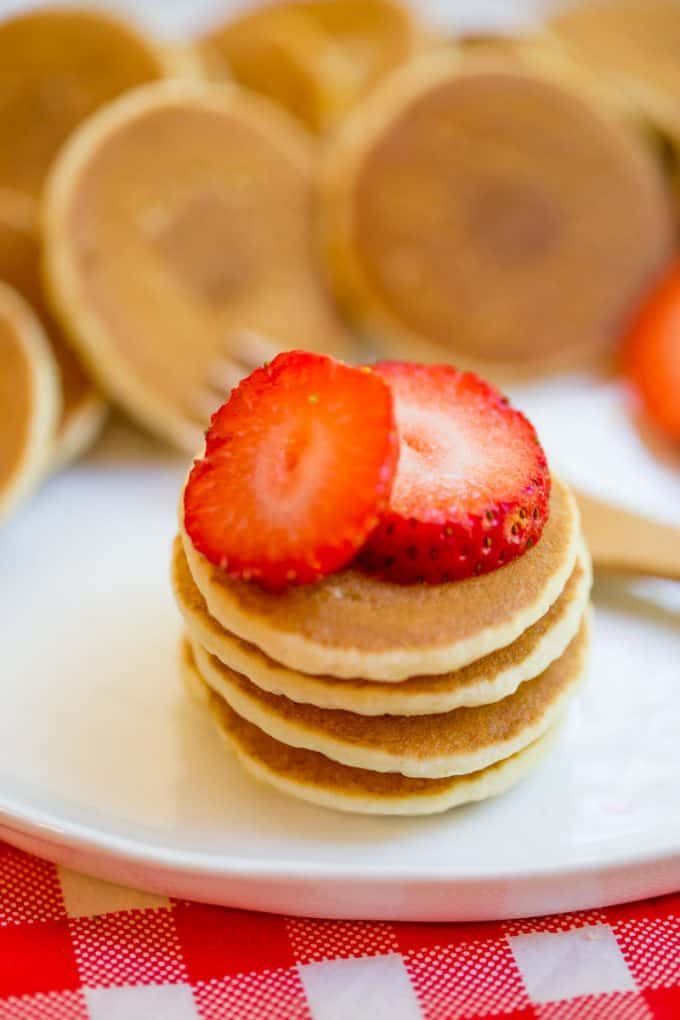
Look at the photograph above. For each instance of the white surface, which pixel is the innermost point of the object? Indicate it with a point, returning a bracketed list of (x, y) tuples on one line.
[(106, 766)]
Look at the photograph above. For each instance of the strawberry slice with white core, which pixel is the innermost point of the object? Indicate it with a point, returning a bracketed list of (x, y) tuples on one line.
[(472, 486), (299, 463)]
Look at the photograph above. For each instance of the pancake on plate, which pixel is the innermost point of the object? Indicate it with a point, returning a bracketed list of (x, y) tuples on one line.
[(58, 65), (179, 242), (485, 680), (311, 776), (423, 746), (352, 624), (29, 398), (82, 410), (492, 215), (374, 682)]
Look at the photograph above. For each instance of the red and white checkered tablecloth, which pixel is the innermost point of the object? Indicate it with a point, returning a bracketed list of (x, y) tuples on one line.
[(75, 947)]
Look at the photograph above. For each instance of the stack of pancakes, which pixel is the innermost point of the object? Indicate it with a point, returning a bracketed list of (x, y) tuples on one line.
[(368, 696)]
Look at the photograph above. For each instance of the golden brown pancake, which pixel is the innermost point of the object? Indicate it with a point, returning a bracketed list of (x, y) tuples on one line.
[(29, 398), (284, 54), (178, 235), (82, 411), (488, 679), (540, 53), (492, 215), (316, 59), (376, 36), (425, 746), (57, 66), (633, 43), (315, 778), (352, 624)]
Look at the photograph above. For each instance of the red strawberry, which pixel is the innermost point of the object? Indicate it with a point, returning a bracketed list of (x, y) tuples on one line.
[(652, 354), (472, 486), (299, 463)]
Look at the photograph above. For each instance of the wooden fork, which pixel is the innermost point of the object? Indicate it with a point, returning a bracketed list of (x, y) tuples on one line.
[(623, 541), (247, 350)]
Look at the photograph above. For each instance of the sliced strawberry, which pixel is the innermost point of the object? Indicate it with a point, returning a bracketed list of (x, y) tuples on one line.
[(472, 485), (299, 463)]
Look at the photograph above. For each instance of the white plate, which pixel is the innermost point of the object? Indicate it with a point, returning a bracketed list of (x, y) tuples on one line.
[(105, 765)]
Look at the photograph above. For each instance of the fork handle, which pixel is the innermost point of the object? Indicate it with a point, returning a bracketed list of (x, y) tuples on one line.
[(620, 540)]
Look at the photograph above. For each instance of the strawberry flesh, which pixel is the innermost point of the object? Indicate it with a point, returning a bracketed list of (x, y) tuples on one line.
[(472, 486), (298, 465)]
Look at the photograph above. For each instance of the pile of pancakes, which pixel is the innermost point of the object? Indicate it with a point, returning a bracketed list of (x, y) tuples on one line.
[(362, 695), (316, 59), (325, 174), (57, 67)]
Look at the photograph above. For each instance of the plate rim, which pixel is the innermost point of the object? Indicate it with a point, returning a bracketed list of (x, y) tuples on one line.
[(89, 840)]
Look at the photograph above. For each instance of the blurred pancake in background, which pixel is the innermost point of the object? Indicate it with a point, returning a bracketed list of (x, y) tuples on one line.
[(492, 215), (283, 54), (316, 59), (179, 238), (633, 43), (29, 398), (57, 65), (82, 411), (540, 52), (633, 46), (376, 36)]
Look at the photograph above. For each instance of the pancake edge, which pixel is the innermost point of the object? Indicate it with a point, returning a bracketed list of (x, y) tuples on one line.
[(376, 759), (84, 327), (495, 780), (385, 699), (302, 654), (77, 434), (46, 399)]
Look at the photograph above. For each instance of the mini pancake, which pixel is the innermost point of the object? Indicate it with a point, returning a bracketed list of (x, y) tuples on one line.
[(82, 410), (316, 59), (312, 777), (632, 43), (170, 264), (29, 398), (541, 53), (284, 54), (489, 679), (492, 214), (352, 624), (57, 66), (425, 746), (376, 36)]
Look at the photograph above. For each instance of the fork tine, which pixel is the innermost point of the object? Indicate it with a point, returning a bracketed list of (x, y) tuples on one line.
[(192, 436), (224, 374), (247, 350), (204, 402), (252, 349)]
